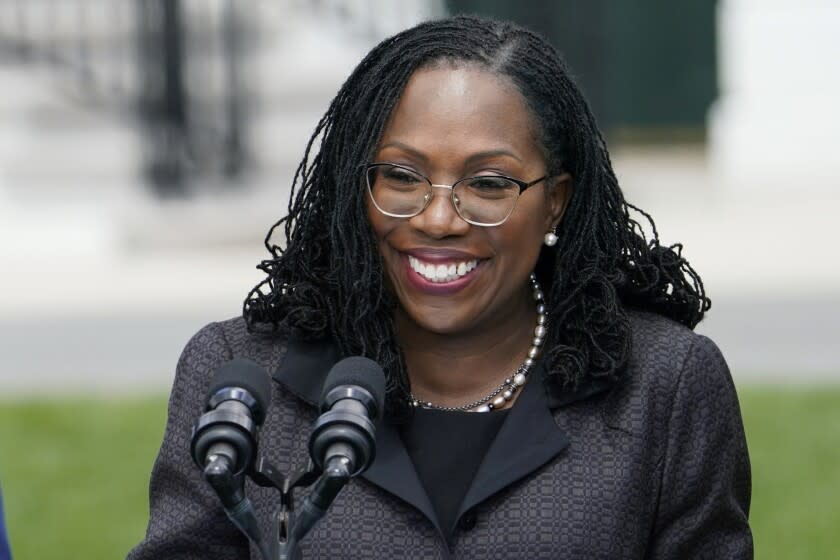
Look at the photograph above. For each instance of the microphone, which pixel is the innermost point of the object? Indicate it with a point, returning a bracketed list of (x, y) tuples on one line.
[(351, 402), (237, 402), (343, 443), (224, 440)]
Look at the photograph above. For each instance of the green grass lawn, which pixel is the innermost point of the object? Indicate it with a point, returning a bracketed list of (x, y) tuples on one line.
[(75, 474)]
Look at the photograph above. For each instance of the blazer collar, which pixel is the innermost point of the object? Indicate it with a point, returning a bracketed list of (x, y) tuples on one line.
[(304, 367), (306, 364), (528, 439), (303, 370)]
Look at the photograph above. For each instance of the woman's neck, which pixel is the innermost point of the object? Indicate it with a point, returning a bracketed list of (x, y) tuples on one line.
[(454, 369)]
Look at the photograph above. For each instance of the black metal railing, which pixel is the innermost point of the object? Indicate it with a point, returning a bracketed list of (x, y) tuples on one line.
[(172, 65)]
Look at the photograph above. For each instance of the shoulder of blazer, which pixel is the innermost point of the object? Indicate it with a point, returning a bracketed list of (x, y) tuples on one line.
[(660, 349)]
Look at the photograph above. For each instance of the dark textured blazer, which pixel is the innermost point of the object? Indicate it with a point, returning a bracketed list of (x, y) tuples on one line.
[(653, 466)]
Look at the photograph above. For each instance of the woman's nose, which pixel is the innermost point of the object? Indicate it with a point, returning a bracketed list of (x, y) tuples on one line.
[(440, 219)]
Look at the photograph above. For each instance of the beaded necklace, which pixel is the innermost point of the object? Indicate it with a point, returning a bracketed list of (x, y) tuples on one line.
[(504, 392)]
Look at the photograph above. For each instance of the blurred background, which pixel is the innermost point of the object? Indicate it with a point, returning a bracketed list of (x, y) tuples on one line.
[(146, 147)]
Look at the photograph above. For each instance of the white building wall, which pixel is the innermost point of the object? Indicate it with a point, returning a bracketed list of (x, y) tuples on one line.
[(777, 121)]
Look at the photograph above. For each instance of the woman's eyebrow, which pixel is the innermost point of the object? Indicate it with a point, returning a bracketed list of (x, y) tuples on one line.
[(491, 154), (487, 154), (406, 148)]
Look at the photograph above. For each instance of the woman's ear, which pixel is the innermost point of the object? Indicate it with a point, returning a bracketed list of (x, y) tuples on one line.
[(558, 196)]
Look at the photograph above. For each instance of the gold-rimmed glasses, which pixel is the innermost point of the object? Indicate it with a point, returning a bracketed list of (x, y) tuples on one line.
[(483, 200)]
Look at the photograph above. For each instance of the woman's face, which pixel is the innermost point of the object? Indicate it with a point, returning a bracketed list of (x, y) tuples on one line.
[(449, 124)]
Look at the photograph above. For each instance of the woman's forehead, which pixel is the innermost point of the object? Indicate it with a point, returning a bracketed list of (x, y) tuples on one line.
[(454, 110)]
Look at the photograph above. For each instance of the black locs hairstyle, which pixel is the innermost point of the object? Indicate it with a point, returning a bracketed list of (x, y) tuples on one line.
[(328, 280)]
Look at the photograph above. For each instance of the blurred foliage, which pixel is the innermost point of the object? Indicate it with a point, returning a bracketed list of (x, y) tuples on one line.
[(793, 436), (75, 474)]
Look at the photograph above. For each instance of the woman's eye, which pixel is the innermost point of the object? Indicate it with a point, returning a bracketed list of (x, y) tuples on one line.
[(400, 176), (490, 183)]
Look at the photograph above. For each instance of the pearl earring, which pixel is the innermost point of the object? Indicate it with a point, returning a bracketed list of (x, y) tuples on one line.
[(550, 239)]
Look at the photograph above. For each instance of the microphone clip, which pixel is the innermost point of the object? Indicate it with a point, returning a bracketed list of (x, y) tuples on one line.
[(293, 524)]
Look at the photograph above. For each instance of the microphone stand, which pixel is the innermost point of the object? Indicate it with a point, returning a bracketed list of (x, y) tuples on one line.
[(293, 527), (290, 526), (231, 490), (342, 433)]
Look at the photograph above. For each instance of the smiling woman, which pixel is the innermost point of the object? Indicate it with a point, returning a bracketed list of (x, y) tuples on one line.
[(461, 225), (457, 121)]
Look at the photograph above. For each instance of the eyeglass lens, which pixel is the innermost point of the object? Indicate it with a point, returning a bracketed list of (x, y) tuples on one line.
[(400, 192)]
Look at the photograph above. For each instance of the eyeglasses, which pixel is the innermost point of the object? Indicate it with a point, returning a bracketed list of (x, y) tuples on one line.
[(485, 200)]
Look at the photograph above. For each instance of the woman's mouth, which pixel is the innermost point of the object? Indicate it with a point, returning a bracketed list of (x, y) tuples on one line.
[(440, 277), (441, 272)]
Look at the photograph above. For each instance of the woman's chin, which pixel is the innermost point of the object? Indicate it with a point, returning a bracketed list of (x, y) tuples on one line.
[(435, 320)]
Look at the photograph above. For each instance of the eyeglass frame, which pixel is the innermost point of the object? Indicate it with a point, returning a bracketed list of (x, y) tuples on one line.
[(523, 185)]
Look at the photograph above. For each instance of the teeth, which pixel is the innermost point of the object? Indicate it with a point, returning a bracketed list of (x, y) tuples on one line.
[(441, 272)]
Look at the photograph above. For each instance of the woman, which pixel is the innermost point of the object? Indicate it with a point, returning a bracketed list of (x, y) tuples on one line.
[(462, 226)]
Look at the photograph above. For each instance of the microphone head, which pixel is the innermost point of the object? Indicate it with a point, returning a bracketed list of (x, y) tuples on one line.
[(247, 375), (361, 372)]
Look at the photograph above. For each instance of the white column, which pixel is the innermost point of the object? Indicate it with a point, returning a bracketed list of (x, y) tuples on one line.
[(776, 123)]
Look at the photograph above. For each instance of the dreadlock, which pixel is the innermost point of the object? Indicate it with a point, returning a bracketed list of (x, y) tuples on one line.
[(328, 280)]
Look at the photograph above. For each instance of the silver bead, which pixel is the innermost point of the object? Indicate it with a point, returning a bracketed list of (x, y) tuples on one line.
[(508, 381), (538, 295), (498, 402), (541, 309), (528, 362), (483, 408), (532, 352), (508, 395), (537, 341), (540, 331), (519, 379), (542, 319)]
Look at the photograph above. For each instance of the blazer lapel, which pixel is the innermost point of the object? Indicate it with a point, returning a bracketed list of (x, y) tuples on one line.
[(305, 366), (394, 472), (528, 439), (303, 370)]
